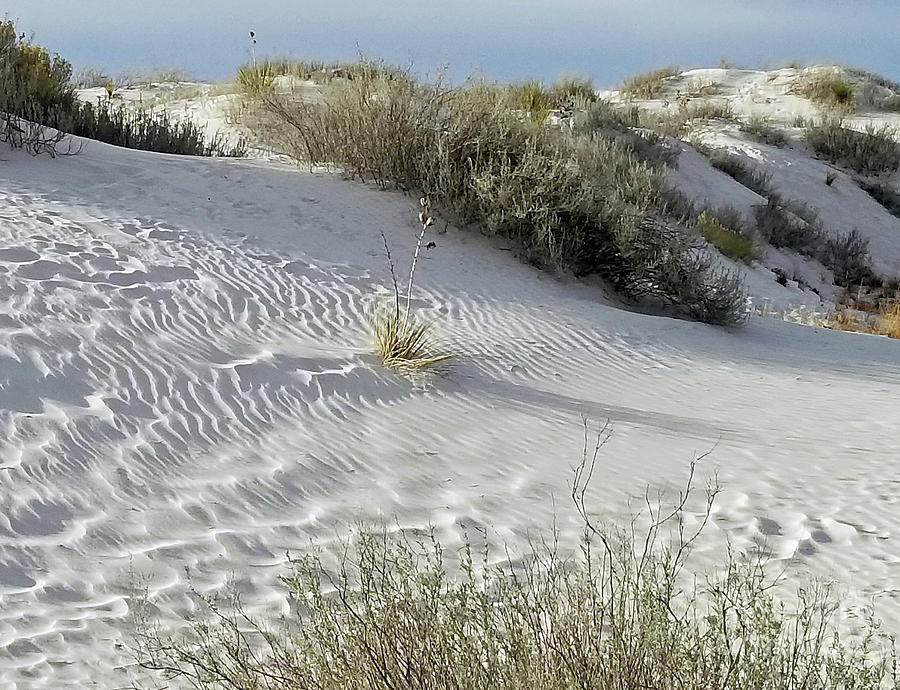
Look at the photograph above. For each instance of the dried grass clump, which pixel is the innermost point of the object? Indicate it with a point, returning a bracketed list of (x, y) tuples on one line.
[(571, 199), (648, 85), (870, 152), (401, 341), (397, 611), (889, 320), (883, 319)]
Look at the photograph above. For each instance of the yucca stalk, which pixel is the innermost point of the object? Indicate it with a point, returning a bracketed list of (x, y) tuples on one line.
[(400, 340)]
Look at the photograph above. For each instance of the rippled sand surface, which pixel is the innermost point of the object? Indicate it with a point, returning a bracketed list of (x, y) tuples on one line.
[(187, 393)]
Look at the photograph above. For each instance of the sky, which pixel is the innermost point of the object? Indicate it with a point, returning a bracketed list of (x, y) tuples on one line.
[(502, 39)]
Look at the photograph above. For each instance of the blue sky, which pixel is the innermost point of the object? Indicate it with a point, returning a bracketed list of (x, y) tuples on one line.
[(505, 39)]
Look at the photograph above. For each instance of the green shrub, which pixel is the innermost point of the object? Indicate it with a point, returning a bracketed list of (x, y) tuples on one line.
[(577, 201), (871, 152), (33, 87), (254, 79), (648, 85), (35, 92)]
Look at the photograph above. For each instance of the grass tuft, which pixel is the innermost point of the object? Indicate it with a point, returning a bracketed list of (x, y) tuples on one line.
[(648, 85), (729, 241), (402, 342), (825, 88)]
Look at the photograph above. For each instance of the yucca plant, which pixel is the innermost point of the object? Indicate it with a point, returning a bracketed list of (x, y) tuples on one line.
[(401, 340)]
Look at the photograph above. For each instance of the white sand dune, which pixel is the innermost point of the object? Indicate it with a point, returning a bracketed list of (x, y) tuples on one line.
[(187, 392)]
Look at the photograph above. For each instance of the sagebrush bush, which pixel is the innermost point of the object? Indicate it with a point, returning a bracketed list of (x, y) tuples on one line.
[(399, 611), (871, 152), (573, 200)]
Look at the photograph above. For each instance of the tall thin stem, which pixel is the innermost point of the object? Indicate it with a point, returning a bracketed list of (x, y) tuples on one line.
[(387, 251)]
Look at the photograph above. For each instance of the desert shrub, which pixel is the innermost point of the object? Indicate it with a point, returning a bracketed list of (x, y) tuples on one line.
[(605, 116), (648, 85), (145, 130), (891, 103), (826, 88), (848, 256), (737, 167), (398, 610), (790, 224), (884, 194), (322, 72), (623, 125), (761, 129), (726, 237), (871, 152), (38, 106), (571, 201)]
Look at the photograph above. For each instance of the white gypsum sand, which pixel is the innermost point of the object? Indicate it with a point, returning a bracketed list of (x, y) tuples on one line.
[(188, 392)]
